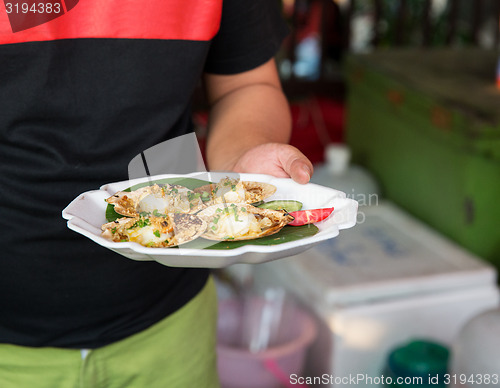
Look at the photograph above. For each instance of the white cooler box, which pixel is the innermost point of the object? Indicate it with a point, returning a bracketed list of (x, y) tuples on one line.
[(384, 282)]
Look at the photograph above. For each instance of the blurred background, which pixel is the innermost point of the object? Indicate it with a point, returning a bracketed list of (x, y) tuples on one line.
[(396, 102)]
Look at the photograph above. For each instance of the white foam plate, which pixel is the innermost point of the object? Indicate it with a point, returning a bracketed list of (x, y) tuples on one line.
[(87, 212)]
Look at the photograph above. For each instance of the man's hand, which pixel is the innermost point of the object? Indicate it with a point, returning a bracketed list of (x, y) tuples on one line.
[(280, 160)]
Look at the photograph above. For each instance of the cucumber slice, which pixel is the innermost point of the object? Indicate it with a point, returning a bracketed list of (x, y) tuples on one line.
[(285, 204)]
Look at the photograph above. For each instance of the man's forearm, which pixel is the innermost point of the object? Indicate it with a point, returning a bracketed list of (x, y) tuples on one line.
[(247, 117)]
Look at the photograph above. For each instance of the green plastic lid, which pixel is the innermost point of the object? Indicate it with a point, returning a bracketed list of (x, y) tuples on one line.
[(419, 358)]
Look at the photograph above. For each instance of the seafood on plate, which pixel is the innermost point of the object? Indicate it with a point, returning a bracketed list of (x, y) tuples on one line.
[(242, 221), (168, 230), (166, 215), (156, 199), (230, 190)]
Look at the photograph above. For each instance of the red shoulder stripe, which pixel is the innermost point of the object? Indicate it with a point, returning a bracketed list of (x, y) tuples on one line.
[(30, 20)]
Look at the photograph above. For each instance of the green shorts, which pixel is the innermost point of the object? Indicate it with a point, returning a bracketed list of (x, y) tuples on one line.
[(178, 351)]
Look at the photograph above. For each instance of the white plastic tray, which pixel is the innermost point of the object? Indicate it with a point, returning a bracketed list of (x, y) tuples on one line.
[(86, 214)]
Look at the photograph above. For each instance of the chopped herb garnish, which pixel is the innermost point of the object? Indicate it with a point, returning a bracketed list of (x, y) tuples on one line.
[(141, 223), (193, 196), (205, 196), (158, 214), (157, 233)]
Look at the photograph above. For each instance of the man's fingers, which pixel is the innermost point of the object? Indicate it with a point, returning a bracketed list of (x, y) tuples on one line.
[(296, 165), (279, 160), (300, 171)]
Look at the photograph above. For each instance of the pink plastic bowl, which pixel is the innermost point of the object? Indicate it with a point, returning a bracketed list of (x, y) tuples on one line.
[(240, 368)]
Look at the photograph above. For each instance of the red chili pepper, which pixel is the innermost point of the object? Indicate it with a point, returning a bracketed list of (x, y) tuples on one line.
[(304, 217)]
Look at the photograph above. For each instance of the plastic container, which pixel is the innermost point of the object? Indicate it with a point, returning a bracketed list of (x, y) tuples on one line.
[(388, 280), (269, 367), (338, 173), (418, 362), (476, 352)]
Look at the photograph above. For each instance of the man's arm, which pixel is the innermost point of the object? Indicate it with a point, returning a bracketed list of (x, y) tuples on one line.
[(250, 124)]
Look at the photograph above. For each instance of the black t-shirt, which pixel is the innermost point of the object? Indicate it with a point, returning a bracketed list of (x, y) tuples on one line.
[(81, 95)]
